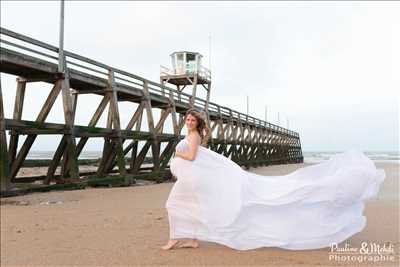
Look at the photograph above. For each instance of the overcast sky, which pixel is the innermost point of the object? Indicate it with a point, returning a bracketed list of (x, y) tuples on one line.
[(332, 69)]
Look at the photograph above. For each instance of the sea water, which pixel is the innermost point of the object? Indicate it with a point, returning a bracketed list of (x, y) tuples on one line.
[(309, 156)]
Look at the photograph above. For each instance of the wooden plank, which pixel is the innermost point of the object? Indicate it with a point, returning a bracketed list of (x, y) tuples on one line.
[(135, 142), (56, 159), (71, 156), (32, 127), (17, 115), (106, 147), (173, 114), (136, 118), (117, 126), (95, 118), (167, 153), (194, 87), (5, 178), (64, 166), (140, 158), (154, 142)]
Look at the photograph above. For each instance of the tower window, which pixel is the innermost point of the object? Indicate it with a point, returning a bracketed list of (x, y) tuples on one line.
[(190, 57)]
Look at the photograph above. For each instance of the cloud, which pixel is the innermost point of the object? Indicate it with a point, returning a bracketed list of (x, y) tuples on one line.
[(325, 66)]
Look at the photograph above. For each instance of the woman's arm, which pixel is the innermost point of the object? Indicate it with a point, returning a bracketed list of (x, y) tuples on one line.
[(194, 142)]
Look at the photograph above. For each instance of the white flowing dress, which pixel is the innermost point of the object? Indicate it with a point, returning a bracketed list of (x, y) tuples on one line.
[(215, 200)]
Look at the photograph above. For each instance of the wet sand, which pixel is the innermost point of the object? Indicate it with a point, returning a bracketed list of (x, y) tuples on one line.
[(127, 226)]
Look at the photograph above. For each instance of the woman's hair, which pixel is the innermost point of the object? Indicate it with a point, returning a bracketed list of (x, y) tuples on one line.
[(202, 126)]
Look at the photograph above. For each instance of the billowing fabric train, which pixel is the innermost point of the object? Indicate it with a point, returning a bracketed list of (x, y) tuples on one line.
[(215, 200)]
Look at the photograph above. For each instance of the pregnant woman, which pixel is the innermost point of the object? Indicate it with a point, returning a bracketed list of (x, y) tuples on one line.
[(215, 200)]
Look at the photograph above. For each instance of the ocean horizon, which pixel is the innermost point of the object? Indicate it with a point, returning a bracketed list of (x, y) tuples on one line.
[(309, 156)]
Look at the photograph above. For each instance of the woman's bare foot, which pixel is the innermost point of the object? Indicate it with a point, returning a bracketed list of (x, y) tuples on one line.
[(192, 243), (171, 243)]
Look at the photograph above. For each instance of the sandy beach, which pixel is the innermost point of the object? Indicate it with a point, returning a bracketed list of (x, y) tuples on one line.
[(127, 226)]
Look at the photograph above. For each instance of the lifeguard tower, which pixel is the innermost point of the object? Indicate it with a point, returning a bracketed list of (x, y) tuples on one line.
[(187, 71)]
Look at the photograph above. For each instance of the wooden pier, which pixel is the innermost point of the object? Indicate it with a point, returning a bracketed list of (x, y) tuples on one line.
[(246, 140)]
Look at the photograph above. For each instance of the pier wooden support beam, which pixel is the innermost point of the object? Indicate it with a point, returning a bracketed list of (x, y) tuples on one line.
[(150, 120), (56, 159), (107, 147), (5, 178), (194, 87), (17, 115), (174, 117), (112, 146), (70, 158), (66, 150), (137, 118)]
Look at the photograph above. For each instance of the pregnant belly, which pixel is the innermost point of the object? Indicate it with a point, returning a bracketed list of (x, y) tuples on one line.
[(180, 167), (174, 166)]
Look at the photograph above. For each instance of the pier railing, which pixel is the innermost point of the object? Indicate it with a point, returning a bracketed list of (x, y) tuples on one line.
[(29, 46)]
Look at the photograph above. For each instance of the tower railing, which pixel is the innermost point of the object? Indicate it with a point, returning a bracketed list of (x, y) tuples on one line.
[(203, 72)]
